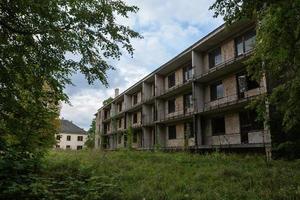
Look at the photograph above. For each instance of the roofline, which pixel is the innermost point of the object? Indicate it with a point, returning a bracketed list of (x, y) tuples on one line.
[(187, 50)]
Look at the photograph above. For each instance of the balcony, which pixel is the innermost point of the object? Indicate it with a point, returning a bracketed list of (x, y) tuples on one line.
[(232, 100), (255, 138), (177, 115), (180, 87), (228, 66)]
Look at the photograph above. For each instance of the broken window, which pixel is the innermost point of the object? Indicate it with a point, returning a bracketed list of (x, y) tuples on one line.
[(171, 106), (120, 123), (187, 73), (135, 99), (172, 132), (215, 57), (245, 83), (171, 80), (245, 43), (188, 101), (218, 125), (249, 122), (135, 118), (134, 137), (216, 91)]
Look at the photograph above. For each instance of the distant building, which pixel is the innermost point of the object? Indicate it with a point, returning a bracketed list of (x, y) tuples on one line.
[(70, 136)]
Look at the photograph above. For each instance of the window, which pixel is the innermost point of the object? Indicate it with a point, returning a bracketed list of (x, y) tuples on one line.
[(120, 107), (215, 57), (245, 43), (68, 147), (106, 114), (187, 73), (171, 80), (68, 137), (189, 129), (120, 123), (248, 121), (57, 146), (119, 139), (135, 99), (171, 106), (188, 101), (216, 91), (245, 83), (79, 138), (79, 147), (134, 137), (135, 118), (172, 132), (58, 137), (218, 126)]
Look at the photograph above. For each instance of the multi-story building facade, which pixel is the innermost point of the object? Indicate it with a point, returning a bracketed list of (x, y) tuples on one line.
[(196, 100)]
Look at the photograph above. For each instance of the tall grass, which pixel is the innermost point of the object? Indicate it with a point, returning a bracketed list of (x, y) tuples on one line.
[(148, 175)]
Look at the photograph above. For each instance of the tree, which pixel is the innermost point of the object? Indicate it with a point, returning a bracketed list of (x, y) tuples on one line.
[(90, 142), (37, 39), (107, 101), (277, 53), (42, 44)]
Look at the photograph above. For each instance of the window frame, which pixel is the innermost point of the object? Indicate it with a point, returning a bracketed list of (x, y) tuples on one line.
[(215, 125), (187, 73), (172, 135), (69, 138), (171, 102), (188, 101), (171, 80), (212, 55), (242, 39), (81, 138), (135, 118), (79, 147), (214, 91)]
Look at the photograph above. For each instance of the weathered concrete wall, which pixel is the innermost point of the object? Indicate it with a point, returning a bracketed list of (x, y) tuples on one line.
[(127, 101), (139, 118), (159, 84), (178, 78), (197, 63), (122, 124), (232, 123), (228, 50), (178, 107), (232, 131), (179, 141), (259, 137)]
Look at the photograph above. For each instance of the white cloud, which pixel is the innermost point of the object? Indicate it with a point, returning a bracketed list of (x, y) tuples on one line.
[(168, 28)]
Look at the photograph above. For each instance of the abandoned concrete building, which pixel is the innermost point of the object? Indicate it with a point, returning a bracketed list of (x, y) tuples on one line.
[(197, 100)]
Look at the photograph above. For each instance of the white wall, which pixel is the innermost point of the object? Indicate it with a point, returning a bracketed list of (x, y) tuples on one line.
[(73, 142)]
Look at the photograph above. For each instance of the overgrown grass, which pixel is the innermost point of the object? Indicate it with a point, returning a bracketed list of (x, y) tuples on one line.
[(148, 175)]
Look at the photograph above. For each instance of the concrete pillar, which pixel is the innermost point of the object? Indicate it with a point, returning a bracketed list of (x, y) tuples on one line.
[(159, 84), (127, 101), (198, 92), (147, 90), (197, 62), (161, 135)]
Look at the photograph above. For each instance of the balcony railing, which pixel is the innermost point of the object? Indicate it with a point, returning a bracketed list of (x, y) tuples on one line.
[(162, 116), (233, 99), (224, 64), (164, 91)]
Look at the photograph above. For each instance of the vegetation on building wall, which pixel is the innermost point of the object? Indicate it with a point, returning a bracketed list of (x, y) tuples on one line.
[(90, 141)]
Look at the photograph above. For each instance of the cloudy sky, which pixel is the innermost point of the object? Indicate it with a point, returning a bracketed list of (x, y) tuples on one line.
[(168, 27)]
